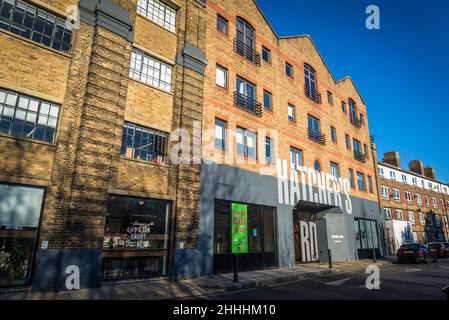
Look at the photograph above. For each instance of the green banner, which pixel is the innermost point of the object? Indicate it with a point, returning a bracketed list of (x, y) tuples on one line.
[(239, 228)]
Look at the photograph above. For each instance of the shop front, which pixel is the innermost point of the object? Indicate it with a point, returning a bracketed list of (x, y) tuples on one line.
[(367, 238), (248, 230), (136, 238), (20, 212)]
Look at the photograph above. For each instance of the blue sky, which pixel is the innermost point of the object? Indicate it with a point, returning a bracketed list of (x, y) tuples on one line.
[(401, 70)]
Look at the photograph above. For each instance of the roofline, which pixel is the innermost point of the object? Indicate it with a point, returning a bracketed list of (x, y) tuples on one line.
[(313, 43), (411, 172)]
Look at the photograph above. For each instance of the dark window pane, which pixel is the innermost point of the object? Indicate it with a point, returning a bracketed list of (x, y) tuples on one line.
[(37, 37), (46, 41), (6, 11), (39, 25)]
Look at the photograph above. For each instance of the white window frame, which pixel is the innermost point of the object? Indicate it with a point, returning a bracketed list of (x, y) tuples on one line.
[(404, 178), (411, 217), (408, 197), (385, 194), (392, 175), (399, 214), (158, 12), (418, 199), (422, 219), (387, 213), (434, 202), (426, 198), (396, 194)]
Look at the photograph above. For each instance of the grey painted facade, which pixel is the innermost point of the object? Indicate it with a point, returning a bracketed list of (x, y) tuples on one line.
[(225, 182)]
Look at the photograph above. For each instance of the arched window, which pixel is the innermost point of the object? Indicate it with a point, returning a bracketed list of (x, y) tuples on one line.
[(245, 33), (352, 108), (310, 77), (317, 165)]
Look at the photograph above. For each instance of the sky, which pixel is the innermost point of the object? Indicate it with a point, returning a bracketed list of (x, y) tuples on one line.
[(401, 70)]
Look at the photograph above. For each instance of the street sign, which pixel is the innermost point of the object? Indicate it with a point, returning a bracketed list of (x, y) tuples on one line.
[(239, 216)]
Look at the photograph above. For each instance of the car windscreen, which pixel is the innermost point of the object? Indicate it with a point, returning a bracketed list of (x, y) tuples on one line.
[(412, 246)]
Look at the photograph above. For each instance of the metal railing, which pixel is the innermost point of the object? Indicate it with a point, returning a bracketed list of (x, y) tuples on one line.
[(313, 94), (359, 156), (316, 136), (247, 52), (243, 102), (356, 121)]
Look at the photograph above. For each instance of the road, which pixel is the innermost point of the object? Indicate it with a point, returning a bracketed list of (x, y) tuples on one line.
[(403, 282)]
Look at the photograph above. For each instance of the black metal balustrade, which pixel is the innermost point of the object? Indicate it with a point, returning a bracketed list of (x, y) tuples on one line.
[(359, 156), (316, 136), (356, 121), (243, 102), (247, 52), (313, 94)]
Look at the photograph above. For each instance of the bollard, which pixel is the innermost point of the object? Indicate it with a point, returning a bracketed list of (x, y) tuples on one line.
[(329, 255), (236, 271), (374, 256), (446, 291)]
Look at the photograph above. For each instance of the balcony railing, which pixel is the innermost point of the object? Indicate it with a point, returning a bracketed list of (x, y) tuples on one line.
[(314, 95), (243, 102), (359, 156), (247, 52), (316, 136), (356, 121)]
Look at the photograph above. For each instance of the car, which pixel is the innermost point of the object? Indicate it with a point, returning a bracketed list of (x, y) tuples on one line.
[(414, 252), (439, 248)]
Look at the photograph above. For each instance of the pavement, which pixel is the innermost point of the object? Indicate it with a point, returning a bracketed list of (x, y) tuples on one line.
[(396, 282), (199, 287)]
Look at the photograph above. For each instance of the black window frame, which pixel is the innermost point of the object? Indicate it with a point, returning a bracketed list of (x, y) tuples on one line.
[(330, 98), (267, 51), (224, 22), (270, 95), (334, 138), (224, 144), (288, 67)]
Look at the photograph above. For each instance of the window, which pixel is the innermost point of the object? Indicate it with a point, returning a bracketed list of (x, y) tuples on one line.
[(246, 143), (361, 181), (246, 95), (365, 150), (314, 124), (418, 199), (267, 100), (427, 201), (268, 150), (295, 157), (343, 107), (36, 24), (362, 118), (396, 195), (330, 98), (408, 197), (352, 108), (385, 194), (435, 202), (221, 76), (289, 70), (430, 219), (392, 175), (411, 217), (370, 184), (334, 134), (150, 70), (348, 142), (387, 213), (26, 117), (422, 183), (446, 223), (317, 165), (135, 224), (404, 178), (144, 143), (335, 170), (222, 24), (291, 113), (422, 219), (381, 172), (414, 181), (220, 134), (366, 234), (245, 35), (351, 178), (158, 12), (399, 215), (266, 54), (437, 221)]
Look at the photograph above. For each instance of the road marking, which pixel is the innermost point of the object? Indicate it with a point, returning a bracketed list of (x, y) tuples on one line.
[(337, 282), (444, 267), (411, 270)]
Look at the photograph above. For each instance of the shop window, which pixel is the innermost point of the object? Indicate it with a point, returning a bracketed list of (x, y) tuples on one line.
[(136, 238), (20, 210)]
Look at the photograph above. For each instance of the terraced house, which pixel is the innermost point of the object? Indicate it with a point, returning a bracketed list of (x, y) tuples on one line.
[(414, 202), (86, 108)]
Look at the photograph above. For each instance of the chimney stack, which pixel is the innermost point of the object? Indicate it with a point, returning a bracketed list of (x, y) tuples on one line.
[(416, 166), (392, 158), (429, 172)]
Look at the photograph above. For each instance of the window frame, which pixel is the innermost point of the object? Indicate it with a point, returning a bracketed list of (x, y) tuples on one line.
[(224, 129), (225, 22), (289, 66), (168, 23), (219, 67), (270, 96), (337, 167), (293, 108), (268, 51), (333, 132)]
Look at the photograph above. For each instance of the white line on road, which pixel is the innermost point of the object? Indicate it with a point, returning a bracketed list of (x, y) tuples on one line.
[(337, 282)]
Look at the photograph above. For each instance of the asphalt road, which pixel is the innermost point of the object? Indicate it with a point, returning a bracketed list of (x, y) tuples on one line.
[(398, 282)]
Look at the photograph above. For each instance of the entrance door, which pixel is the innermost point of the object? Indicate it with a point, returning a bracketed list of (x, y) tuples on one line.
[(261, 239), (305, 236)]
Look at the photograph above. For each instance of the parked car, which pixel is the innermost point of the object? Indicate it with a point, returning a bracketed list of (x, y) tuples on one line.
[(440, 248), (414, 252)]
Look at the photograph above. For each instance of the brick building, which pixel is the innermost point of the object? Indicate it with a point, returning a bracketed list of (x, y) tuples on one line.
[(286, 142), (414, 202), (86, 108)]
